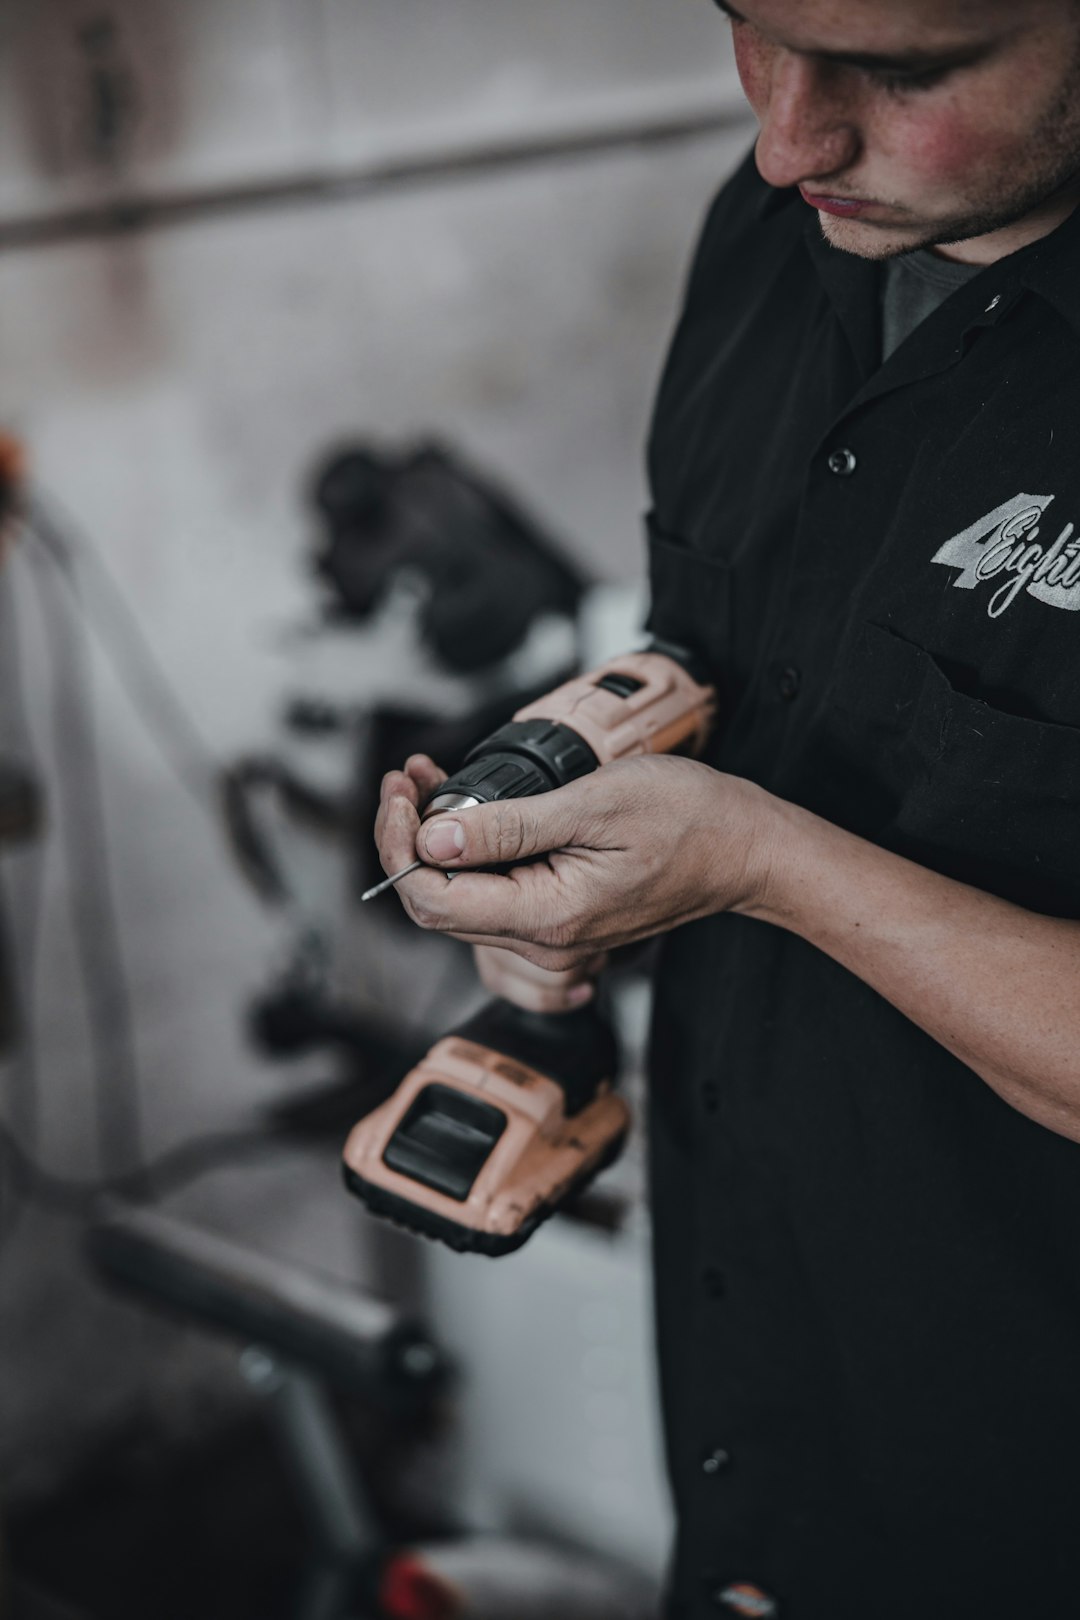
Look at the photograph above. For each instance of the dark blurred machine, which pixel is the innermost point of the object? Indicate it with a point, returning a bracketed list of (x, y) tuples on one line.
[(21, 799), (485, 568), (21, 814), (309, 1341), (306, 1339), (480, 574)]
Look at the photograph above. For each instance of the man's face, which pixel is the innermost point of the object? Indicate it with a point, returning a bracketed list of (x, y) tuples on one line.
[(908, 123)]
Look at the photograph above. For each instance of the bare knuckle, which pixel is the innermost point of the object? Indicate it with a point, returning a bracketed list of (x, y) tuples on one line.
[(561, 935), (507, 833)]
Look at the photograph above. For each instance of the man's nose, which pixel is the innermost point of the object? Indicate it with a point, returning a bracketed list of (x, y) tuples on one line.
[(808, 131)]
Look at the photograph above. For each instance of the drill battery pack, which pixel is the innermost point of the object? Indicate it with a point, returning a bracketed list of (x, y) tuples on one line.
[(481, 1143)]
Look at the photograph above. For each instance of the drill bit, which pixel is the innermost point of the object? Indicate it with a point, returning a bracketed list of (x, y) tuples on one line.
[(388, 883)]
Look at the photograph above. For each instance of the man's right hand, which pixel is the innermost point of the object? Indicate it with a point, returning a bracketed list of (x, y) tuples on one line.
[(505, 973)]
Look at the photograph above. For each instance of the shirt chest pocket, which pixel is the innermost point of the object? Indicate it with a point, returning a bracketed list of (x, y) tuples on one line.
[(690, 597), (988, 797)]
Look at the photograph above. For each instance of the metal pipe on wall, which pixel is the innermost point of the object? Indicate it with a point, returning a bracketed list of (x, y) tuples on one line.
[(417, 169)]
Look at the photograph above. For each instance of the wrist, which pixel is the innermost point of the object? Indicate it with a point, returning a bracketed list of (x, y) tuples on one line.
[(799, 862), (775, 836)]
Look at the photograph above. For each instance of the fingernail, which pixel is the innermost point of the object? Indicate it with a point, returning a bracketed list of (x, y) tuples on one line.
[(444, 840), (579, 995)]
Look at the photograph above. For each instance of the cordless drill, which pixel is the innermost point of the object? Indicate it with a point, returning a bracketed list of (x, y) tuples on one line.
[(514, 1112)]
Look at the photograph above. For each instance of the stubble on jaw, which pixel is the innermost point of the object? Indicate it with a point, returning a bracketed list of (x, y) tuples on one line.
[(869, 241), (1045, 186)]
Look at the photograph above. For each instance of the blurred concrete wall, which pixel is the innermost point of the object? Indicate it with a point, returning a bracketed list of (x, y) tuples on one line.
[(173, 386), (176, 98)]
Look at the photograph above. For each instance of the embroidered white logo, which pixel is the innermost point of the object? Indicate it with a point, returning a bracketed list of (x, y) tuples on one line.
[(1005, 544)]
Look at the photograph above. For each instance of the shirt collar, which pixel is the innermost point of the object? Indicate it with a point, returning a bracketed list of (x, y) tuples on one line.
[(1049, 267)]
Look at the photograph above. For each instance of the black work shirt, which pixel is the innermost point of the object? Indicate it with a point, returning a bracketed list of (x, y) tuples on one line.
[(867, 1264)]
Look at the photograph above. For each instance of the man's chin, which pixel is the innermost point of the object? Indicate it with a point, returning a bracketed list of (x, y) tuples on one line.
[(870, 241)]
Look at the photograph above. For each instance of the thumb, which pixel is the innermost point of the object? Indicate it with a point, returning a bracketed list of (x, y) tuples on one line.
[(501, 833)]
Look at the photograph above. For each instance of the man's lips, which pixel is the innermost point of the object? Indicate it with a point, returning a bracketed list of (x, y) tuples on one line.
[(836, 205)]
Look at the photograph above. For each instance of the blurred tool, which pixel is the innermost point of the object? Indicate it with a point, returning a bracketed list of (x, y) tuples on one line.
[(288, 831), (21, 812), (488, 594), (319, 1324), (21, 798), (484, 569), (21, 816), (308, 1341), (306, 1337), (513, 1113)]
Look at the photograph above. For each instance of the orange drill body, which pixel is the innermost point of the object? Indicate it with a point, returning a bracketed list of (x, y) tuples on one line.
[(507, 1118)]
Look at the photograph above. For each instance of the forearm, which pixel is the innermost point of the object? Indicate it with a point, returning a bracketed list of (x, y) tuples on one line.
[(994, 984), (648, 843)]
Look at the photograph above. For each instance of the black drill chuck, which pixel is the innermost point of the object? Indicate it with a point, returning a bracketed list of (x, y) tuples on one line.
[(519, 760)]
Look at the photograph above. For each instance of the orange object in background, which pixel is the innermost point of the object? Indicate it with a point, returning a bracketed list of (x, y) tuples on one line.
[(506, 1578), (13, 468)]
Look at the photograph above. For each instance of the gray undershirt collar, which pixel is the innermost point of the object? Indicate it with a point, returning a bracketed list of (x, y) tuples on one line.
[(913, 286)]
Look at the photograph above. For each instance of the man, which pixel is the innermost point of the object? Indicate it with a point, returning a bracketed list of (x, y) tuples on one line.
[(866, 1057)]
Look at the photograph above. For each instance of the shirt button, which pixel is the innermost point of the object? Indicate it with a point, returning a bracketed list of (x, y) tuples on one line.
[(842, 463), (714, 1282), (744, 1598), (715, 1461), (789, 683)]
